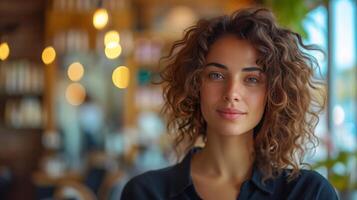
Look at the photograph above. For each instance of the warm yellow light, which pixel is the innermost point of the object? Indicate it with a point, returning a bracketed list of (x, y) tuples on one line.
[(100, 18), (48, 55), (121, 77), (75, 71), (75, 94), (112, 50), (4, 51), (111, 37)]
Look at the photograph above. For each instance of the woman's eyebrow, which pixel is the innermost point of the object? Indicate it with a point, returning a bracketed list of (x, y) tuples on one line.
[(216, 65), (250, 69), (246, 69)]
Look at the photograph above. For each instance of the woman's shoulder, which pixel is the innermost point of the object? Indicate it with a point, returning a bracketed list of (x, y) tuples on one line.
[(158, 175), (153, 184), (160, 184), (309, 183), (313, 178)]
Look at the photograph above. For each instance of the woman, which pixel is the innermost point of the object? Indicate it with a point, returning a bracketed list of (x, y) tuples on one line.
[(245, 86)]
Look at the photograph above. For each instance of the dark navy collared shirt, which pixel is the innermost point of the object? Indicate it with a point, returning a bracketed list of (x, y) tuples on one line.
[(175, 183)]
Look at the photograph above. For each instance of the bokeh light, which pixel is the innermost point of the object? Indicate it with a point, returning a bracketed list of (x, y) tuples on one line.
[(113, 50), (75, 71), (75, 94), (48, 55), (338, 115), (178, 18), (4, 51), (111, 37), (121, 77), (100, 18)]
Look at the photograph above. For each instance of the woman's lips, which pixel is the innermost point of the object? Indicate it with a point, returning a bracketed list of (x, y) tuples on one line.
[(230, 114)]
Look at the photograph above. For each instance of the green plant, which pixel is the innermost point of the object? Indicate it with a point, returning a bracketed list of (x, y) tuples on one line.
[(342, 181), (292, 13)]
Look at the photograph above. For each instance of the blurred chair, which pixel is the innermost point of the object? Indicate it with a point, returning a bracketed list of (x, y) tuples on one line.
[(73, 190), (5, 181), (98, 163), (112, 186)]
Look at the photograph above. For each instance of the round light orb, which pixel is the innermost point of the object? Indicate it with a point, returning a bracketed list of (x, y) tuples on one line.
[(4, 51), (75, 71), (100, 18), (48, 55), (121, 77)]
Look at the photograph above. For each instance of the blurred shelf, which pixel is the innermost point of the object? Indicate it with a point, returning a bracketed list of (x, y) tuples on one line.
[(12, 130), (20, 95), (59, 20)]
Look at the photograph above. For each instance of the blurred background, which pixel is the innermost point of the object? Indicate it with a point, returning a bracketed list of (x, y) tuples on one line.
[(79, 114)]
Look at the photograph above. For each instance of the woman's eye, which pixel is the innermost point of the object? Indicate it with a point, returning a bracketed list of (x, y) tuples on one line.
[(215, 76), (252, 80)]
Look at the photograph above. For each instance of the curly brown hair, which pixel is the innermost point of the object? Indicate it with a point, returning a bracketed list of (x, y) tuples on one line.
[(293, 94)]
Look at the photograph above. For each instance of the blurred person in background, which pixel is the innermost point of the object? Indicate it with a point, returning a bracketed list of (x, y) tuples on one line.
[(246, 88), (91, 123)]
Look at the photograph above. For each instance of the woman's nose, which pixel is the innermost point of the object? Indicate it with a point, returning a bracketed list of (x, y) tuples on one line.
[(232, 91)]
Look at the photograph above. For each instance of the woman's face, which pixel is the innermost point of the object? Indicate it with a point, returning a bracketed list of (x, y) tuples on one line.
[(233, 89)]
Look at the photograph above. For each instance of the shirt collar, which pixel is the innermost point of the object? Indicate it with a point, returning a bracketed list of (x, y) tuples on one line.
[(183, 178), (182, 174), (268, 186)]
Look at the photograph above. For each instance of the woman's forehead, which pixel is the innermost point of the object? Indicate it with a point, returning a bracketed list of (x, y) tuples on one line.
[(252, 68), (228, 48)]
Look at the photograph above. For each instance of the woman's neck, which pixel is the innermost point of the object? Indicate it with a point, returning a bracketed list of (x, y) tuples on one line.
[(226, 157)]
